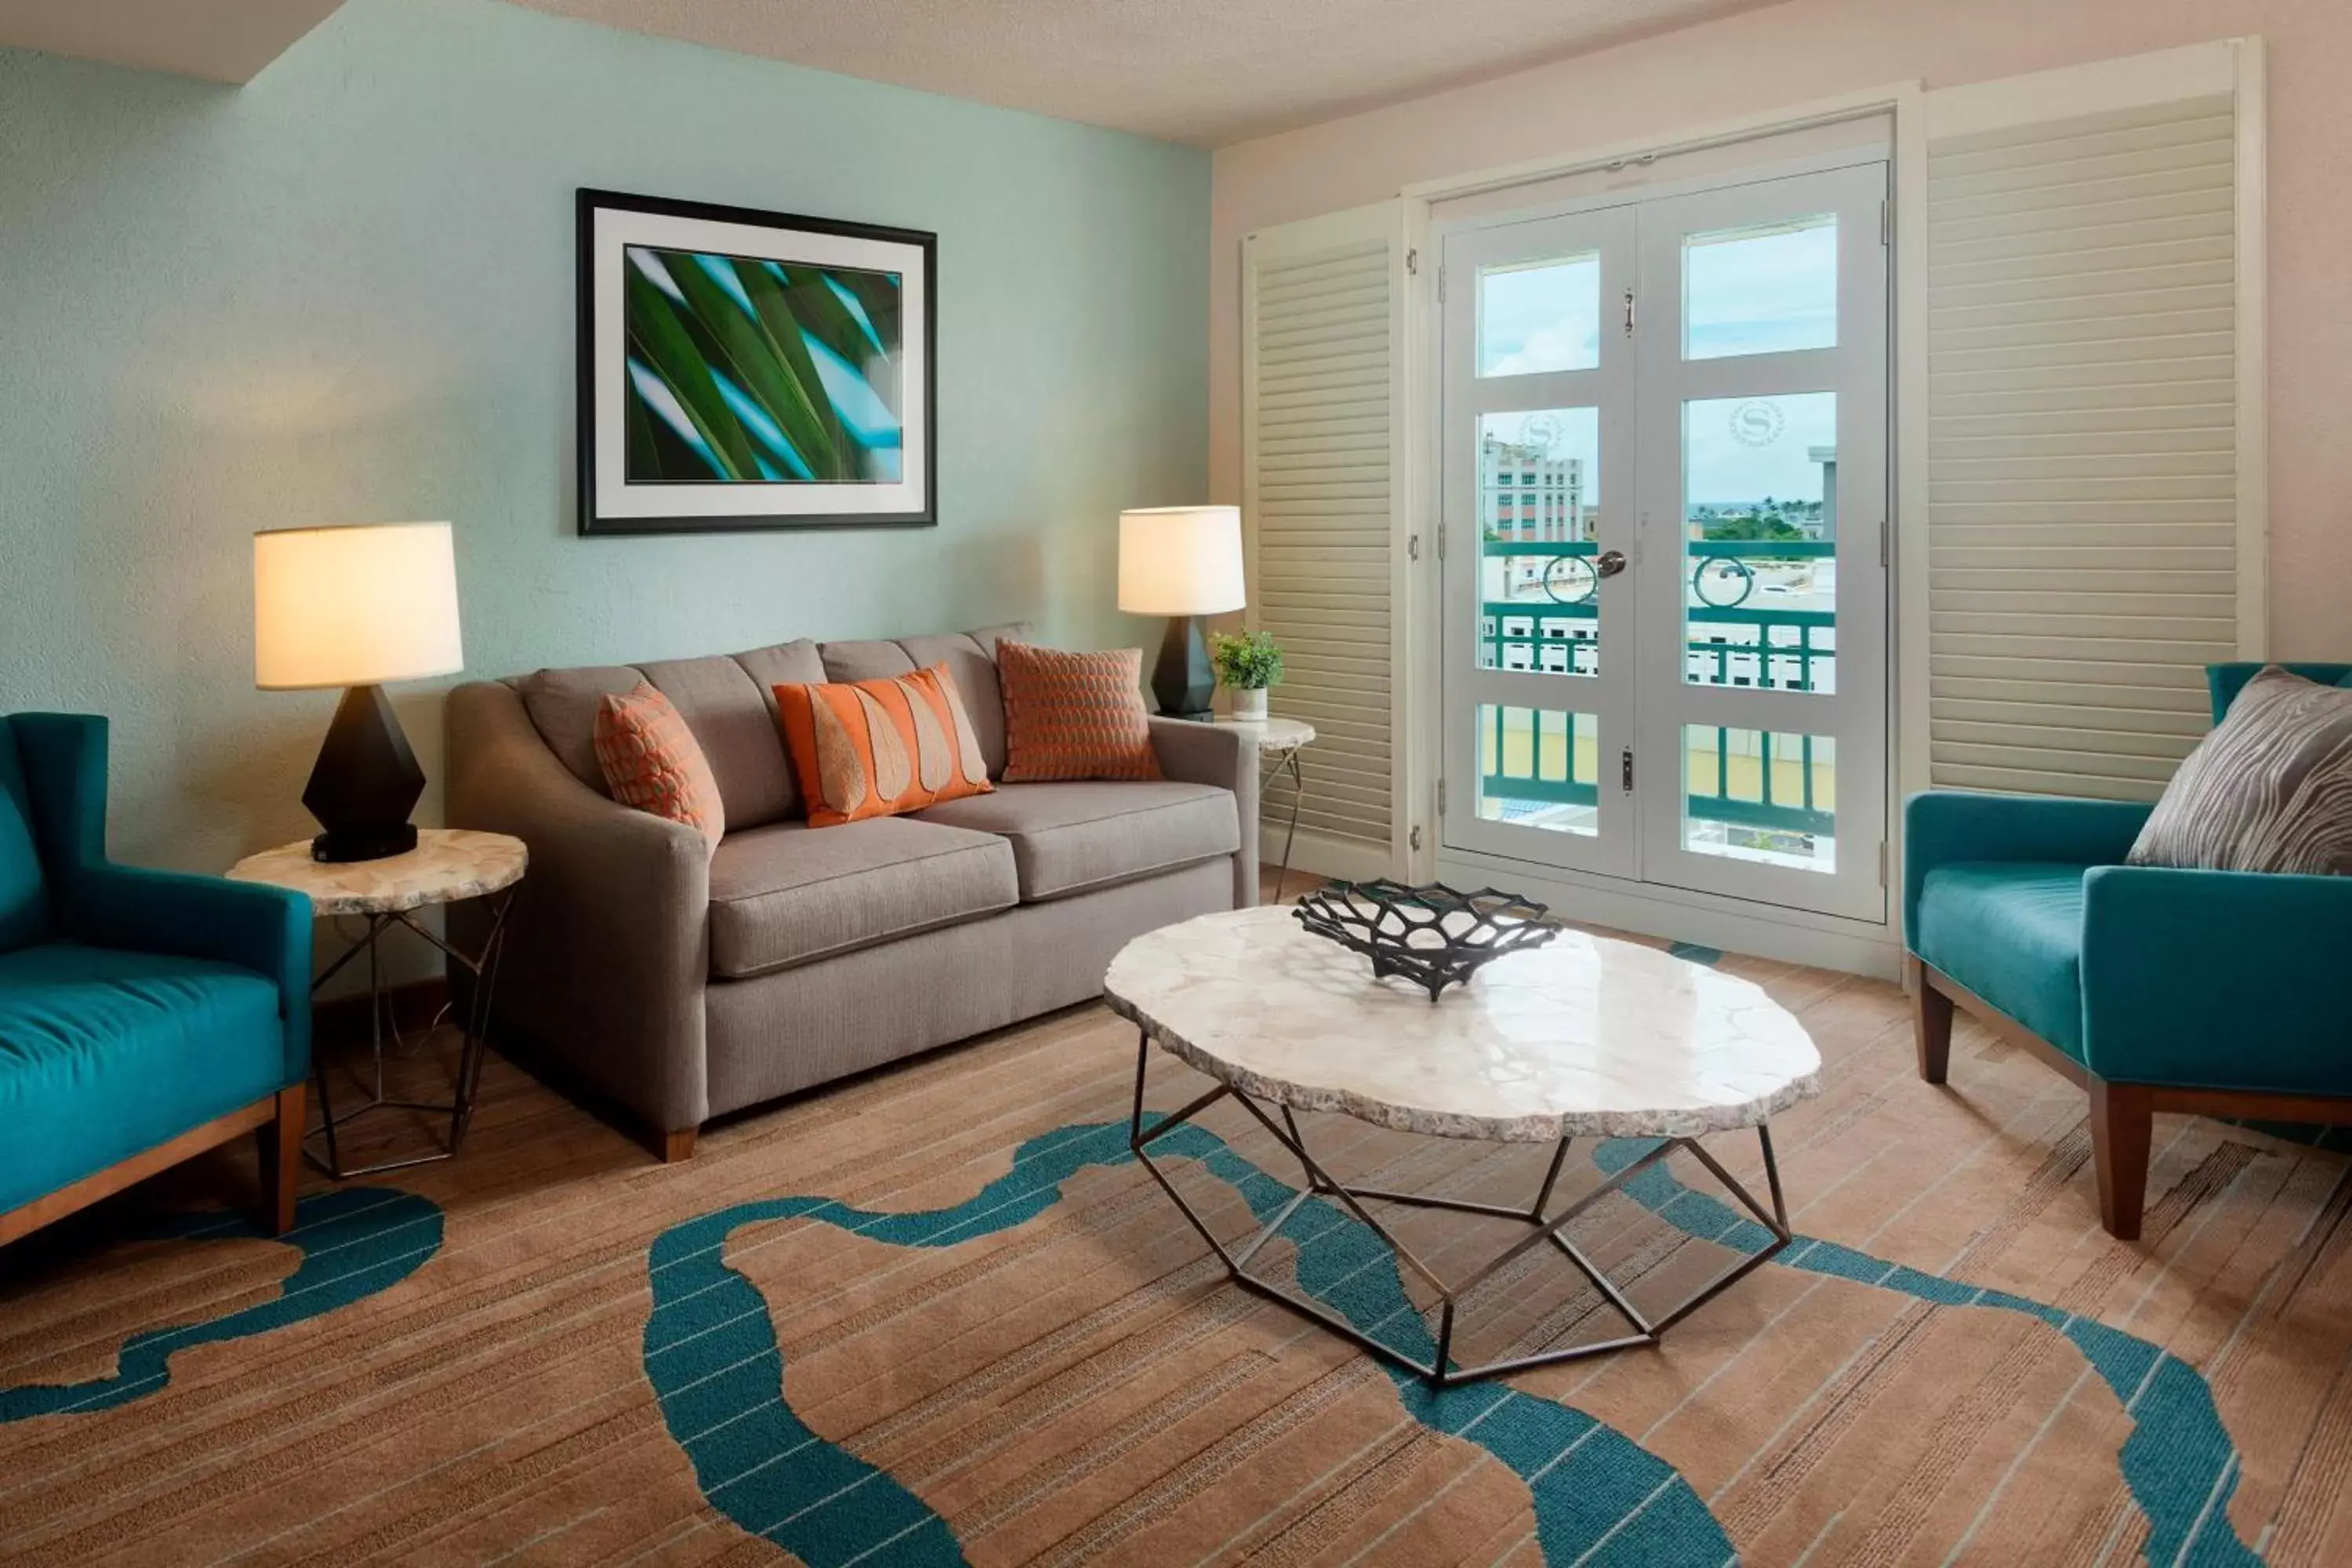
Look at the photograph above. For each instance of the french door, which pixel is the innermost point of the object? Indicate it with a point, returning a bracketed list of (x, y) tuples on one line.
[(1664, 496)]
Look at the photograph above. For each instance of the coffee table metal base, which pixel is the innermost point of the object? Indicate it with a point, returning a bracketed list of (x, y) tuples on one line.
[(1441, 1372)]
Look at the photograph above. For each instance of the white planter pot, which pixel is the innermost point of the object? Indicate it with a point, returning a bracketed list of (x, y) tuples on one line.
[(1250, 704)]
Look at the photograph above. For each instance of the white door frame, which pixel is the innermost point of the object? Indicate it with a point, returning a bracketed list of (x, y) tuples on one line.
[(1861, 946)]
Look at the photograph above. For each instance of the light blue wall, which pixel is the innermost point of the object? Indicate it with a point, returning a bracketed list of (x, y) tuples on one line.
[(344, 293)]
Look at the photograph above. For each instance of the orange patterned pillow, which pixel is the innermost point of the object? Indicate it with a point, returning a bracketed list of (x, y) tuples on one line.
[(1074, 715), (652, 762), (877, 748)]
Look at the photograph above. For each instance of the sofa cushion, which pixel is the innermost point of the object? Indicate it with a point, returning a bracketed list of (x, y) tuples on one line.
[(563, 704), (24, 900), (874, 661), (653, 763), (970, 658), (104, 1053), (730, 719), (788, 893), (2012, 932), (1069, 838)]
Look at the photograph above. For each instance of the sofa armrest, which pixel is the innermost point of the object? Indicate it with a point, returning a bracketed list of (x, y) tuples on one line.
[(1942, 827), (606, 947), (2217, 979), (1223, 755)]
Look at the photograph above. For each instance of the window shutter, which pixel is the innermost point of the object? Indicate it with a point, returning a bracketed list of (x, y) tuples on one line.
[(2084, 516), (1320, 307)]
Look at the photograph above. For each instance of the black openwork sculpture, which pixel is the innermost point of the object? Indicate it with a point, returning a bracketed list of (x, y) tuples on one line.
[(1434, 936)]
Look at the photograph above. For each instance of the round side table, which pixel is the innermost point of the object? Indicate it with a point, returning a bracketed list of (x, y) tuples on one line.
[(1279, 742), (448, 864)]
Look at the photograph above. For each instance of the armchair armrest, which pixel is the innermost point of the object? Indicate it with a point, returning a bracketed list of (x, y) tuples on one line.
[(2217, 979), (606, 955), (263, 929), (267, 929), (1942, 827), (1223, 755)]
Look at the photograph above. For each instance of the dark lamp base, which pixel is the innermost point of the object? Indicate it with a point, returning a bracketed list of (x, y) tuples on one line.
[(364, 784), (363, 843), (1183, 681)]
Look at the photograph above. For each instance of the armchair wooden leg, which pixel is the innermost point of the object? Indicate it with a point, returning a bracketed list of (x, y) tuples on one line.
[(1931, 1021), (2122, 1125), (279, 1142)]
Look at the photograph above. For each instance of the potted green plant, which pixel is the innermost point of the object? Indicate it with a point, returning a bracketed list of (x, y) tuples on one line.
[(1247, 664)]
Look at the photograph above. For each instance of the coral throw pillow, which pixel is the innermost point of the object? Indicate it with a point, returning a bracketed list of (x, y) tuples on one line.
[(1074, 715), (877, 748), (652, 760)]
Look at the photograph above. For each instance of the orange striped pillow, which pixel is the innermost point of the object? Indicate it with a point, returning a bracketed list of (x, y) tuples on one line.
[(652, 760), (877, 748), (1074, 715)]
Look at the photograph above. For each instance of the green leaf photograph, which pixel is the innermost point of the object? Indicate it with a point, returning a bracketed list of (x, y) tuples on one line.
[(741, 369), (747, 370)]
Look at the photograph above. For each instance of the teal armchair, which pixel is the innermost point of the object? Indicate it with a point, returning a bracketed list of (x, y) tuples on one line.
[(145, 1016), (2216, 993)]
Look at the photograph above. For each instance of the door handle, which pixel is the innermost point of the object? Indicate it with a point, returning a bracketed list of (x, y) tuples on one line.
[(1609, 562)]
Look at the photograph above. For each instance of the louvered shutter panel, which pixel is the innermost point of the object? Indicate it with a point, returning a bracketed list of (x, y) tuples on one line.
[(1319, 309), (2083, 529)]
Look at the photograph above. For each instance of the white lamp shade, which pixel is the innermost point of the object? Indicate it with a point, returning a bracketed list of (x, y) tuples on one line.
[(1181, 560), (354, 606)]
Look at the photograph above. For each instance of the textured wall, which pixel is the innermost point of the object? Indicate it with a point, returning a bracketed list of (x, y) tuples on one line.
[(1809, 49), (343, 293)]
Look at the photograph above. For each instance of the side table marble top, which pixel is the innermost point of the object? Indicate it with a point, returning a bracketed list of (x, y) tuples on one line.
[(448, 863), (1583, 1037), (1273, 737)]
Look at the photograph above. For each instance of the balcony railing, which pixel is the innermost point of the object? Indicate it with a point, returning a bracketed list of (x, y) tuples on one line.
[(1733, 641)]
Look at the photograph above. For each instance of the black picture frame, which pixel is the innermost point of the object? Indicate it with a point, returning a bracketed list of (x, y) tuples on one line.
[(601, 390)]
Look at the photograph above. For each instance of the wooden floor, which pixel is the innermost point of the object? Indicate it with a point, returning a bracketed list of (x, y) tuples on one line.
[(1024, 1351)]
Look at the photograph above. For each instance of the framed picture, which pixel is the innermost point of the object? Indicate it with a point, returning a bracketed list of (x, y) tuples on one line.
[(750, 369)]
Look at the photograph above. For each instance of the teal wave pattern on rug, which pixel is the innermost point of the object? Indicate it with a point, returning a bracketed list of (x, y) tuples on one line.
[(354, 1242), (711, 1353)]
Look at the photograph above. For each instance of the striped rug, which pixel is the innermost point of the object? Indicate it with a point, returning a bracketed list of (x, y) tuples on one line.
[(938, 1315)]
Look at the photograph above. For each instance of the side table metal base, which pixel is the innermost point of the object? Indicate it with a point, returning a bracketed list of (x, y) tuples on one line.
[(1440, 1371), (472, 1045)]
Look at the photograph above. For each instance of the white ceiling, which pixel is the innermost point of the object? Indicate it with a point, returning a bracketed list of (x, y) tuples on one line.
[(1209, 72), (221, 40)]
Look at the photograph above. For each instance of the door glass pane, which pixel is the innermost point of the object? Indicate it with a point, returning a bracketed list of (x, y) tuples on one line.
[(1539, 767), (1765, 288), (1539, 316), (1760, 794), (1538, 506), (1759, 542)]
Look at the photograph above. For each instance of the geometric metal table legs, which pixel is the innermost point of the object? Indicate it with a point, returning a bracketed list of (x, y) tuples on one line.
[(460, 1107), (1289, 763), (1550, 1230)]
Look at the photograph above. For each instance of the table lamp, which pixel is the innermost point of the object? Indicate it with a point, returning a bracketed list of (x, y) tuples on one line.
[(355, 607), (1185, 563)]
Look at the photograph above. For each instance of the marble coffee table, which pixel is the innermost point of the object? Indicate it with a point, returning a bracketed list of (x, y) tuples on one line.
[(1583, 1037)]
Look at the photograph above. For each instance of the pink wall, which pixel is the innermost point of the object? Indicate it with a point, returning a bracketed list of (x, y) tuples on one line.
[(1808, 49)]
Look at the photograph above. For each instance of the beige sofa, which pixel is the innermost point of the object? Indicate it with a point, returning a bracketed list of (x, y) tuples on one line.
[(677, 985)]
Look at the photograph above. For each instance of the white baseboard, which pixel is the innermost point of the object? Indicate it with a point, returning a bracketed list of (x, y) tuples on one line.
[(1729, 925)]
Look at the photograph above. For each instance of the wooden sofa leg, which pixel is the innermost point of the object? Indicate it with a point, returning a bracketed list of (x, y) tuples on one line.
[(1931, 1022), (2122, 1125), (279, 1142), (675, 1147)]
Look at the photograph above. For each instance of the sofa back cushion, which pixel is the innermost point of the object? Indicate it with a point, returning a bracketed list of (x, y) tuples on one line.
[(24, 899), (729, 715), (562, 705)]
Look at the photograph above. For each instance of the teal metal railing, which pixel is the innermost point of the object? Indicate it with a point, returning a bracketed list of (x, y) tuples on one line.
[(1764, 648)]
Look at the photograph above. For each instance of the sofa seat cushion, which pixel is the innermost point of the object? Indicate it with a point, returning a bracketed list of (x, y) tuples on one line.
[(1069, 838), (105, 1053), (2012, 932), (788, 894)]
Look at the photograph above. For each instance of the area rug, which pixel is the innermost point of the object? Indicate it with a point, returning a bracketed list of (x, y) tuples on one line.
[(938, 1315)]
